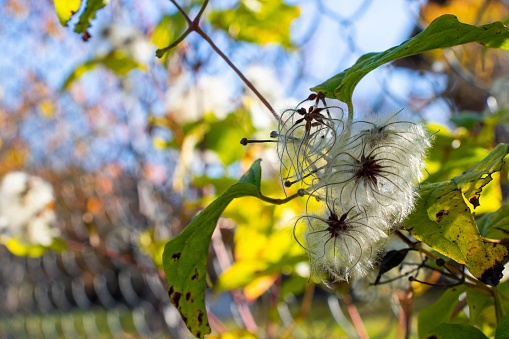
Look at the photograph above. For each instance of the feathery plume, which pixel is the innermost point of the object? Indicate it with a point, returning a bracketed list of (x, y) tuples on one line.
[(362, 172)]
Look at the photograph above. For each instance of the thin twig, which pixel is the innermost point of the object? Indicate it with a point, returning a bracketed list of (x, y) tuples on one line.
[(181, 10), (472, 283), (349, 104), (275, 293), (200, 13), (193, 25), (279, 201), (355, 317), (216, 324), (236, 70), (406, 309), (224, 263), (307, 300)]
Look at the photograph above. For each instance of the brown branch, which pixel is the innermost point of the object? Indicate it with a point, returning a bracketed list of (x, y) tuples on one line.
[(193, 25)]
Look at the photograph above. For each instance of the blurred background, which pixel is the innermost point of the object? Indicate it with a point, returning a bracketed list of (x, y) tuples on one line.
[(107, 152)]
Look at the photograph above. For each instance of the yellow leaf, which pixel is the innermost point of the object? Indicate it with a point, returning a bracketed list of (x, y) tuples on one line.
[(258, 286), (47, 108), (443, 220), (261, 22), (24, 250), (66, 9), (239, 334)]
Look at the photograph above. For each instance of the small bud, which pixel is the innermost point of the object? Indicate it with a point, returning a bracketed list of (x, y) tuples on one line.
[(245, 141)]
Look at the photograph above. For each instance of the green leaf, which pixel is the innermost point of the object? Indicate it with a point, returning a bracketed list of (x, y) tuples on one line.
[(271, 261), (185, 260), (472, 181), (502, 331), (253, 175), (493, 225), (89, 14), (444, 161), (116, 61), (259, 21), (293, 285), (467, 119), (220, 184), (440, 311), (169, 28), (66, 9), (443, 220), (120, 63), (503, 290), (445, 31), (223, 137), (455, 331), (185, 256), (477, 301)]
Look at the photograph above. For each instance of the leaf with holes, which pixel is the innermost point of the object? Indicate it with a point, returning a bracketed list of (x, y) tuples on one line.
[(443, 220), (443, 32), (185, 256), (472, 181)]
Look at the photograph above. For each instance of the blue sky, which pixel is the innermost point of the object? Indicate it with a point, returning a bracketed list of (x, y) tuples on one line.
[(370, 26)]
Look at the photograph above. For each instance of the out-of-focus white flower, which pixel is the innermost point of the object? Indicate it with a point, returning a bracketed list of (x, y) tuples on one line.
[(188, 100), (26, 211), (253, 5), (500, 92), (265, 80), (129, 39)]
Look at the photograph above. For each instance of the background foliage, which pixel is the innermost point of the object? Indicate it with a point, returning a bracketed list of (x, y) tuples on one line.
[(136, 146)]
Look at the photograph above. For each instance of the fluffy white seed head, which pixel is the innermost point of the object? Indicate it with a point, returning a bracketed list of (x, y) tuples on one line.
[(397, 133), (378, 164), (371, 179), (342, 245), (364, 174), (306, 135)]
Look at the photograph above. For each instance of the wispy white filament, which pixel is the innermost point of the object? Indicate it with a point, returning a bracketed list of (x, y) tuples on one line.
[(363, 173), (340, 245)]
